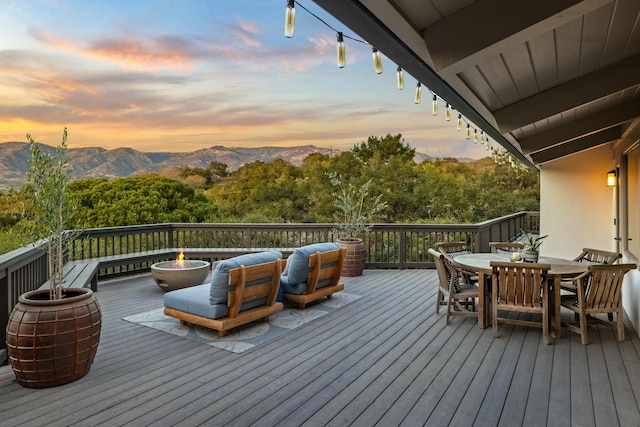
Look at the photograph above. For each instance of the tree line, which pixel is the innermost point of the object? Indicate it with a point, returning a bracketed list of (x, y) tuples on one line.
[(433, 191)]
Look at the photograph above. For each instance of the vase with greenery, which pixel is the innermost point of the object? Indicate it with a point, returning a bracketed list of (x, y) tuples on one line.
[(355, 212), (532, 245), (52, 334)]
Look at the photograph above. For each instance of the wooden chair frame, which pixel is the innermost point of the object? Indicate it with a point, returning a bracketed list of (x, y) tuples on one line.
[(599, 291), (323, 266), (497, 247), (449, 249), (458, 303), (595, 256), (520, 287), (240, 294)]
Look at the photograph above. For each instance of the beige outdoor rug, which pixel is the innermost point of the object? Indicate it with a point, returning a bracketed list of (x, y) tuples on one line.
[(248, 336)]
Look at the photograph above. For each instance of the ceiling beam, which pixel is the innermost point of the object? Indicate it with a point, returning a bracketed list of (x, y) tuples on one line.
[(585, 125), (572, 94), (577, 145), (458, 41)]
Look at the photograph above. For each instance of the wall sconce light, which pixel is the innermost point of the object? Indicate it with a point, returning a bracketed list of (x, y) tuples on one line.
[(611, 178)]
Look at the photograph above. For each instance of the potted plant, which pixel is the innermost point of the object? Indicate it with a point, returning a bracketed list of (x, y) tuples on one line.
[(355, 211), (531, 246), (52, 334)]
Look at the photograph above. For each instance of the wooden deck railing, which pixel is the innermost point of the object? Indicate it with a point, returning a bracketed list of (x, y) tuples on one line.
[(388, 246)]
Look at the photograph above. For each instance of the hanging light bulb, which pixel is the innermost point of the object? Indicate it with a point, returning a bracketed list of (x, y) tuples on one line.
[(447, 113), (475, 136), (289, 18), (341, 53), (434, 105), (487, 145), (481, 136), (400, 78), (468, 131), (377, 60), (459, 124), (418, 93)]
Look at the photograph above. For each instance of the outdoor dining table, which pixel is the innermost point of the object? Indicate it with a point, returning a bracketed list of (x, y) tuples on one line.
[(480, 263)]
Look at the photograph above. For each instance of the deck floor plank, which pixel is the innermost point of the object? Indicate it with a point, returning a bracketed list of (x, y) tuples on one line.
[(387, 359)]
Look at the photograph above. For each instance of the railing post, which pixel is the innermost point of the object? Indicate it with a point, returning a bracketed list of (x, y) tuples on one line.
[(402, 252)]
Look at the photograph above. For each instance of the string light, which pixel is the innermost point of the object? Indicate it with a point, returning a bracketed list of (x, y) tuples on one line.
[(289, 18), (418, 93), (400, 78), (377, 60), (499, 157), (341, 53)]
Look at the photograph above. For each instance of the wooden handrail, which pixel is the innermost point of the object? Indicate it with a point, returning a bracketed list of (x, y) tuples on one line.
[(388, 246)]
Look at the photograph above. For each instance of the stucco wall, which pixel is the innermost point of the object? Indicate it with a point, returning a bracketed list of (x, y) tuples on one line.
[(576, 206), (577, 210)]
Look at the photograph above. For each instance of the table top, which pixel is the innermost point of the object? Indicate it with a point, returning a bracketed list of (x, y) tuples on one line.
[(481, 262)]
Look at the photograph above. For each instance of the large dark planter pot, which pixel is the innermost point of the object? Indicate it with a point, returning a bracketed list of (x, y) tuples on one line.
[(53, 342), (356, 256)]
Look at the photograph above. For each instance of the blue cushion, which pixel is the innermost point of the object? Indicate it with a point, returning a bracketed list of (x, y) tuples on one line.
[(219, 287), (194, 300), (298, 263)]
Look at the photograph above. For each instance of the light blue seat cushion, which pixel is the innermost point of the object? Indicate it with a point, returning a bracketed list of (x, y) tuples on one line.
[(294, 278), (195, 300), (220, 277)]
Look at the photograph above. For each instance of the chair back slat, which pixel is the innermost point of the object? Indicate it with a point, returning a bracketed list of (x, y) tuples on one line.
[(597, 256), (505, 247), (520, 284), (604, 287)]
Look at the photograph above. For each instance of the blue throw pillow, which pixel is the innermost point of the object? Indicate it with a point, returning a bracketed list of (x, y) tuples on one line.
[(298, 263), (220, 275)]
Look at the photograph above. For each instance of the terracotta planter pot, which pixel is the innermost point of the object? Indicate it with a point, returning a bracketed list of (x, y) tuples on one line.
[(356, 256), (53, 342)]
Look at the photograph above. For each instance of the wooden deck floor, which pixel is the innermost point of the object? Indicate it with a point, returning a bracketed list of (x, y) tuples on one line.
[(386, 359)]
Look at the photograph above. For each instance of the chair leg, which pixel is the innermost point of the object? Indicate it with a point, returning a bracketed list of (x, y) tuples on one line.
[(620, 322), (545, 325), (494, 312), (448, 309), (438, 301), (584, 337)]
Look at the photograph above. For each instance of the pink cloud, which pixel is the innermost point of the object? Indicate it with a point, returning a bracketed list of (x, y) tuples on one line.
[(165, 51)]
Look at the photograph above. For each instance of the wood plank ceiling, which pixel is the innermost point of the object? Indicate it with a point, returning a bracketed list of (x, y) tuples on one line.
[(545, 79)]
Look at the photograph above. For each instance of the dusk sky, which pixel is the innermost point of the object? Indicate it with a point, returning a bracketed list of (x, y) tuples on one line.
[(161, 75)]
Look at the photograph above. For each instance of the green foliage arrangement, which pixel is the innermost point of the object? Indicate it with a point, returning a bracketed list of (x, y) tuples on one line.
[(52, 208), (355, 211), (533, 242)]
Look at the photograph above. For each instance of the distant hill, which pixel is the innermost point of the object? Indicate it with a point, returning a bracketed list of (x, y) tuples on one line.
[(95, 162)]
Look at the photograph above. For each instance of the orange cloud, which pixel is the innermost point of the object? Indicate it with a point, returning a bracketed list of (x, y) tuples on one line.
[(140, 54), (169, 52)]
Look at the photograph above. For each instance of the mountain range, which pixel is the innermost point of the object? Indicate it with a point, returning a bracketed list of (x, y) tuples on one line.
[(95, 162)]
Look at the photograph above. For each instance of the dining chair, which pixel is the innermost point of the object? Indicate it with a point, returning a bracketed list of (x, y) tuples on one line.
[(591, 257), (461, 299), (599, 291), (505, 247), (452, 249), (520, 287)]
